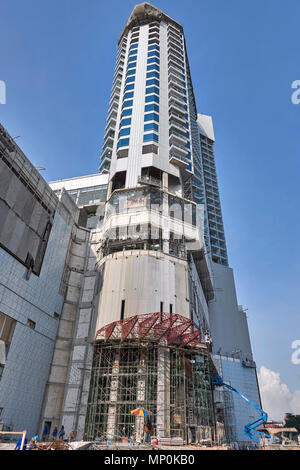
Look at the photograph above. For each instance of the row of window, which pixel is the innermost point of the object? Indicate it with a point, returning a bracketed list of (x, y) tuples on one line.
[(128, 96), (152, 94)]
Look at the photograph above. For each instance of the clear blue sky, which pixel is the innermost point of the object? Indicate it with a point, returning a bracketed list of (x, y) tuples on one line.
[(57, 59)]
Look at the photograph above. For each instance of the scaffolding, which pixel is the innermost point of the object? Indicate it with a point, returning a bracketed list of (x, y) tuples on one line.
[(156, 362)]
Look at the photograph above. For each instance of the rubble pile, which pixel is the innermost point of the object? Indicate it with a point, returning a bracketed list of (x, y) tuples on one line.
[(55, 445)]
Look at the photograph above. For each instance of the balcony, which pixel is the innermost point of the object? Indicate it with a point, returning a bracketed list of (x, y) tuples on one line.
[(109, 133), (178, 117), (176, 60), (113, 107), (176, 69), (177, 92), (179, 149), (176, 159), (178, 138), (181, 108), (108, 144), (178, 127), (114, 97), (111, 126), (177, 80), (178, 109), (106, 153), (174, 48), (104, 165), (181, 100), (175, 39)]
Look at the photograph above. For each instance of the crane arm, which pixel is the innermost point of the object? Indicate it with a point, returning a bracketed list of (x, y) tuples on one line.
[(256, 423)]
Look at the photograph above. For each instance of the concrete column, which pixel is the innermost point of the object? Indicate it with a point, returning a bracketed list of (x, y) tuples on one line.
[(109, 189), (165, 210), (111, 419), (141, 395), (163, 393), (165, 181)]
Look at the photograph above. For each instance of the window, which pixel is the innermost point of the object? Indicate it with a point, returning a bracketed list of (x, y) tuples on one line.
[(153, 74), (130, 79), (150, 137), (132, 59), (153, 67), (151, 98), (128, 95), (154, 47), (125, 122), (152, 107), (122, 153), (151, 127), (153, 41), (131, 65), (129, 87), (150, 149), (133, 46), (153, 54), (152, 60), (131, 72), (132, 52), (152, 117), (153, 81), (152, 90), (126, 112), (124, 132), (127, 103), (123, 143)]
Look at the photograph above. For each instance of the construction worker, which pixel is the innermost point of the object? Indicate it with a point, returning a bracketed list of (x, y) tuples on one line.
[(62, 432), (54, 433)]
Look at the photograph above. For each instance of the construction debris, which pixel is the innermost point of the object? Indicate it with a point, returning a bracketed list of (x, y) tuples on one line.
[(55, 445)]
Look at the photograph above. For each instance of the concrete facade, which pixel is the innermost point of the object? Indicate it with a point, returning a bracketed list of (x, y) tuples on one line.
[(242, 376), (31, 302)]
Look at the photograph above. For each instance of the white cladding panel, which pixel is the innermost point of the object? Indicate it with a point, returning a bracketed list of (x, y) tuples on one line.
[(144, 280)]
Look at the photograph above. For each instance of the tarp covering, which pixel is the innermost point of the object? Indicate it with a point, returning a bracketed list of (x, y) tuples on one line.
[(25, 223)]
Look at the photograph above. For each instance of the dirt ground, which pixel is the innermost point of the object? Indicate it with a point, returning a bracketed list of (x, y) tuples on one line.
[(84, 445)]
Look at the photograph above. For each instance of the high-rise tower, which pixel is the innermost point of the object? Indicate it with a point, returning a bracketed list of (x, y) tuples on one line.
[(158, 295)]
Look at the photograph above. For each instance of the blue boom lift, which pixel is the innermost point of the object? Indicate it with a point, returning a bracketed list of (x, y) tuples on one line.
[(251, 427)]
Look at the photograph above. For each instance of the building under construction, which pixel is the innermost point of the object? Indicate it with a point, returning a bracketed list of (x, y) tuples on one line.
[(151, 240), (157, 362), (137, 305)]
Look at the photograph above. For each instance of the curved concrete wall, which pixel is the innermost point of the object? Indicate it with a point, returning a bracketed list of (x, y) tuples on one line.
[(143, 279)]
